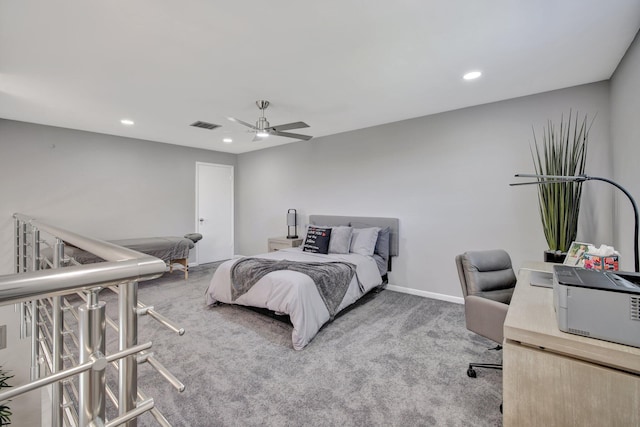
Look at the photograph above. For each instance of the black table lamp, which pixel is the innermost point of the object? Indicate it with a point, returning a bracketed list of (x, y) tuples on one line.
[(552, 179), (292, 221)]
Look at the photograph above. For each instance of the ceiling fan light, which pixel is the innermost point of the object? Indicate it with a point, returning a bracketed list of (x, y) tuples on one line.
[(262, 134)]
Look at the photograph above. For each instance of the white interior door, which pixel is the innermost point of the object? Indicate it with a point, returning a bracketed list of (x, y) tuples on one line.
[(214, 211)]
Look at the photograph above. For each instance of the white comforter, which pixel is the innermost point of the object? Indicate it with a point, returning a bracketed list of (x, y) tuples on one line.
[(294, 293)]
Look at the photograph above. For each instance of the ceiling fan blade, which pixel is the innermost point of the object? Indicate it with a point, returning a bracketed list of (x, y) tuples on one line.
[(233, 119), (292, 135), (287, 126)]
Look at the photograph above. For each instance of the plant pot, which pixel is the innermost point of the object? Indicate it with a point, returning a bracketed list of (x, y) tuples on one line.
[(554, 256)]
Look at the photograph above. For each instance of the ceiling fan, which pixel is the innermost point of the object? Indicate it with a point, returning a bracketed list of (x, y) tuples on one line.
[(262, 128)]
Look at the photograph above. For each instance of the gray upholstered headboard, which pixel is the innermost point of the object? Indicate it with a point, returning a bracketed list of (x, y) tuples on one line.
[(392, 223)]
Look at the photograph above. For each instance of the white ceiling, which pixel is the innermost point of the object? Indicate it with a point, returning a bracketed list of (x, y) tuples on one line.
[(338, 65)]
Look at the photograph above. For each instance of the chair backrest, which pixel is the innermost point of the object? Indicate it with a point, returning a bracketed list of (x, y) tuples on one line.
[(487, 274)]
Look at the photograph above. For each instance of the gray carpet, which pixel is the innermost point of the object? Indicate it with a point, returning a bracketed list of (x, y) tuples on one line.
[(396, 360)]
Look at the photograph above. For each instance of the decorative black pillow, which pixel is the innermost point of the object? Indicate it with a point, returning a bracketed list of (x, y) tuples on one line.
[(317, 240)]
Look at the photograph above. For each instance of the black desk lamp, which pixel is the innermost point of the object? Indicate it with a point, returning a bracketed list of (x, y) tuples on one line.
[(554, 179), (292, 221)]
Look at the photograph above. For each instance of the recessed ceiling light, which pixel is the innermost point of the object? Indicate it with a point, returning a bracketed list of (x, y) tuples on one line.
[(472, 75), (227, 140), (127, 122)]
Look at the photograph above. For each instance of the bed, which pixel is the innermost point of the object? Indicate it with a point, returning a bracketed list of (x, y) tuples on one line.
[(292, 291), (171, 249)]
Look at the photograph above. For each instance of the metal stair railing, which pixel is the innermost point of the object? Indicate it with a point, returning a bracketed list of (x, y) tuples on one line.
[(43, 288)]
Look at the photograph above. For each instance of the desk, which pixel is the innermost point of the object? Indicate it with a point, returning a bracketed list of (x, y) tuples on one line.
[(552, 378)]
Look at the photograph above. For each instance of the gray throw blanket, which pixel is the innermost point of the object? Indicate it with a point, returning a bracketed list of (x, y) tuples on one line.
[(331, 278)]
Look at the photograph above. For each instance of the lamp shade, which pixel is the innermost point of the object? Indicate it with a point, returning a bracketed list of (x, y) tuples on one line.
[(291, 218), (292, 221)]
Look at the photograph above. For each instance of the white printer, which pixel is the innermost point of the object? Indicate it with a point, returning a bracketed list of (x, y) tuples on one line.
[(596, 304)]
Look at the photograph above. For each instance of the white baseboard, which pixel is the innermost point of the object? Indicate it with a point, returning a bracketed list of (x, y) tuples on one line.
[(442, 297)]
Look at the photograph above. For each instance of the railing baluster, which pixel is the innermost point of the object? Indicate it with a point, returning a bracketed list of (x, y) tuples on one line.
[(56, 397), (127, 337), (92, 346), (68, 409), (25, 330), (46, 353), (35, 249), (16, 244), (35, 348), (56, 314), (23, 248)]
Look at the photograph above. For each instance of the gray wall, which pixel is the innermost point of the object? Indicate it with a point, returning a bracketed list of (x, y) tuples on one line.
[(625, 135), (444, 176), (100, 185)]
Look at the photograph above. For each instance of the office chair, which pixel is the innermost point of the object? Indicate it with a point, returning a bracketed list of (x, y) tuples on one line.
[(487, 280)]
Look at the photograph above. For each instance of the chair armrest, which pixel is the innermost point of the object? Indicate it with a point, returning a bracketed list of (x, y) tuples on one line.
[(485, 317)]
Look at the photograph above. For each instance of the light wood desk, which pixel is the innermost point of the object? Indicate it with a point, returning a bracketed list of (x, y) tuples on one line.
[(552, 378)]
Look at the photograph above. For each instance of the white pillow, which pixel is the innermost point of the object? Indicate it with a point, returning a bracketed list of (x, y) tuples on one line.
[(340, 242), (363, 240)]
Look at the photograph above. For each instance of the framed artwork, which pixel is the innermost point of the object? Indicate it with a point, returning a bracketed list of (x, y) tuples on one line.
[(575, 254)]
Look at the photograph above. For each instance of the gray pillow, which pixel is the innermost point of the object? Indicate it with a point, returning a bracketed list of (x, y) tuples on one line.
[(363, 240), (340, 239), (383, 245)]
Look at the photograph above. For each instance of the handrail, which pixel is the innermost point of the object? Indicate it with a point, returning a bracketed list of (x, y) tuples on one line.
[(26, 286), (34, 282), (105, 250), (122, 264)]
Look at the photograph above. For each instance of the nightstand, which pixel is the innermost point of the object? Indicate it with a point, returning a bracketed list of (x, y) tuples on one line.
[(277, 243)]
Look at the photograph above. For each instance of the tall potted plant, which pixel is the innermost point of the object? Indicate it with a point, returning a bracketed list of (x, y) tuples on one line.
[(562, 151)]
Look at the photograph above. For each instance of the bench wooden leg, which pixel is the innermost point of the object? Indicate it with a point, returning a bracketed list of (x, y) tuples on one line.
[(185, 266)]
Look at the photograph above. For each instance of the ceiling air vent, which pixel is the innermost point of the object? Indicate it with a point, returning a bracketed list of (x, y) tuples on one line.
[(204, 125)]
